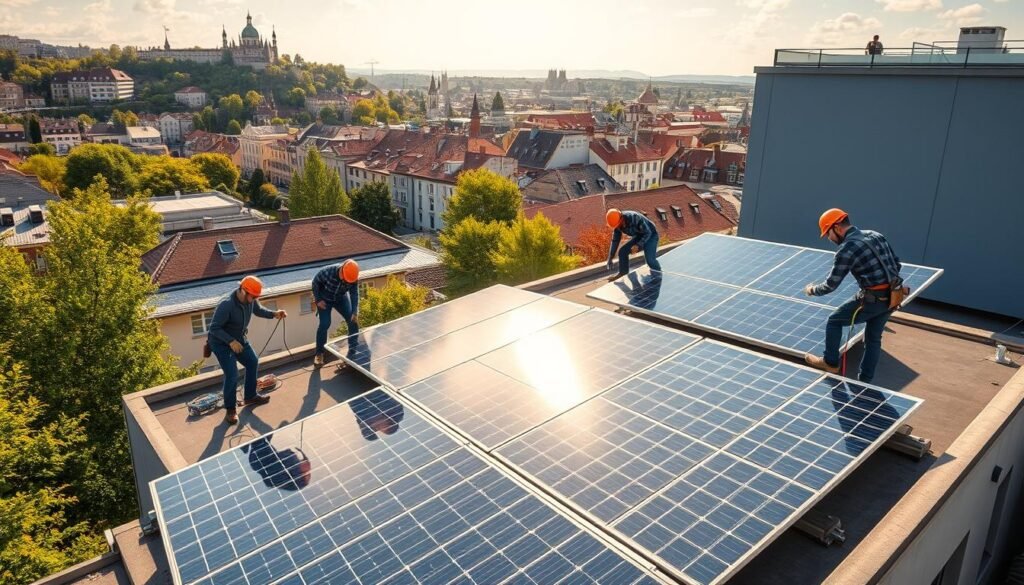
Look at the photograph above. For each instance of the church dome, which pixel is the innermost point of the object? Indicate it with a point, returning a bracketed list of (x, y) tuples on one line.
[(249, 32)]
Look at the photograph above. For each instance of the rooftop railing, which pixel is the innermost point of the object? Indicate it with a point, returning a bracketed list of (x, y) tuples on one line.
[(939, 54)]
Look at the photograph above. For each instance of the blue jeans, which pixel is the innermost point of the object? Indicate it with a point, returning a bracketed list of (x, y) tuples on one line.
[(229, 361), (874, 315), (343, 306), (650, 254)]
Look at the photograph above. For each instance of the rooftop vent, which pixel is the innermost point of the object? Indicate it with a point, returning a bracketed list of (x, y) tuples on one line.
[(677, 211), (6, 217), (227, 249), (35, 214)]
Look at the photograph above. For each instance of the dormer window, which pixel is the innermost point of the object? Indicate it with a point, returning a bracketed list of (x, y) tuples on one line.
[(227, 249), (677, 211), (582, 186), (600, 183), (695, 208), (662, 214)]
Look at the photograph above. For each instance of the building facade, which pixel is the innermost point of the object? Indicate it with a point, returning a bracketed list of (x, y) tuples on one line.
[(255, 142), (95, 86), (250, 49), (11, 95), (62, 134), (635, 166), (175, 126), (191, 96)]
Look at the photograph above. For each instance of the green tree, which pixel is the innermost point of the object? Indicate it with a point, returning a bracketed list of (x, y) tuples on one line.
[(218, 170), (25, 74), (329, 115), (266, 196), (197, 122), (316, 189), (115, 163), (485, 195), (466, 255), (35, 133), (530, 249), (36, 458), (234, 128), (498, 104), (371, 205), (96, 319), (364, 111), (48, 169), (360, 83), (232, 105), (392, 301), (253, 100), (122, 120), (43, 148), (163, 175), (85, 120), (209, 119)]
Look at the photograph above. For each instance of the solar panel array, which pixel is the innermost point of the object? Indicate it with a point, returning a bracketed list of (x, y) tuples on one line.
[(692, 453), (747, 289)]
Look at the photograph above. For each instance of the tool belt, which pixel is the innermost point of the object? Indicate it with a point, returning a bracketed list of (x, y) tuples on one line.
[(892, 293)]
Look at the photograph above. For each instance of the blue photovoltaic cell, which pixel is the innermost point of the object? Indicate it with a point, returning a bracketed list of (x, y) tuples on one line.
[(604, 458), (712, 392), (822, 431), (586, 354), (787, 324), (455, 520), (418, 363), (231, 504), (727, 259), (486, 405), (392, 337), (665, 293), (716, 513)]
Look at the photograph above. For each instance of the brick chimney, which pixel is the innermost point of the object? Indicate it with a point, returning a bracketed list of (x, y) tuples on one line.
[(283, 216)]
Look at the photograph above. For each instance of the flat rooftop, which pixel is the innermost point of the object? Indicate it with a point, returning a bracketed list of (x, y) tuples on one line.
[(953, 375)]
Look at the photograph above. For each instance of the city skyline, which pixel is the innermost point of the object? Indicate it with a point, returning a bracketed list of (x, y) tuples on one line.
[(684, 38)]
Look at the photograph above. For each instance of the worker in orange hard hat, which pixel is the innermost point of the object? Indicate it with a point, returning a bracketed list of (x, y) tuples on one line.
[(869, 257), (335, 288), (642, 234), (227, 339)]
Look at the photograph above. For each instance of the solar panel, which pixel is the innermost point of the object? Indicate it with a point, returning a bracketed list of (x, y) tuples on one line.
[(394, 336), (747, 289), (705, 457), (369, 492), (417, 363)]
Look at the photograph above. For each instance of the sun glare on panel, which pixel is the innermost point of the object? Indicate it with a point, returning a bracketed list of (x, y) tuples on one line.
[(549, 369)]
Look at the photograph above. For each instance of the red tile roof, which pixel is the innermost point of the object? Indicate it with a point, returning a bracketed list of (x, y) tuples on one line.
[(9, 158), (630, 153), (192, 256), (432, 277), (200, 141), (561, 121), (574, 216), (424, 155), (700, 158)]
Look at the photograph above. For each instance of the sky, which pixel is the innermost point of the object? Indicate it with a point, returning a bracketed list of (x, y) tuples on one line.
[(655, 37)]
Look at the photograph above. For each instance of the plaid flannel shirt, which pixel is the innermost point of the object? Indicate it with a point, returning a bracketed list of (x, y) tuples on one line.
[(855, 256)]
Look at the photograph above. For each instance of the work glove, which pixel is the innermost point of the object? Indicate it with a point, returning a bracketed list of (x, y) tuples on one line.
[(235, 346)]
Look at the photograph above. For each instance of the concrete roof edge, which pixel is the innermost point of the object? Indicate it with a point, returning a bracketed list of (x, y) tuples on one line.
[(882, 547), (76, 572), (891, 70)]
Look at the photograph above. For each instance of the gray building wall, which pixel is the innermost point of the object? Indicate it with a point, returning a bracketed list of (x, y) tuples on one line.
[(926, 156)]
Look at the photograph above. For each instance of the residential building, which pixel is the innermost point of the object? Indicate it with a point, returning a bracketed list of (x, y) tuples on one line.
[(63, 134), (535, 148), (678, 212), (195, 270), (191, 96), (249, 49), (34, 101), (560, 185), (634, 165), (11, 95), (174, 126), (813, 145), (23, 216), (276, 160), (327, 99), (94, 86), (581, 121), (13, 137), (149, 120), (321, 137), (142, 136), (200, 141), (104, 133), (724, 165), (254, 142), (200, 211), (339, 154)]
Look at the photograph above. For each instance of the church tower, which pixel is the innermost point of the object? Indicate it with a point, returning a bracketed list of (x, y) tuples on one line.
[(433, 108), (474, 119)]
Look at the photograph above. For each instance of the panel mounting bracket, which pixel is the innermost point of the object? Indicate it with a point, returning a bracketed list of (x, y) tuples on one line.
[(904, 442), (822, 527)]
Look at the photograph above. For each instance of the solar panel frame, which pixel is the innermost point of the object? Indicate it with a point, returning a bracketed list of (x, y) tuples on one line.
[(611, 293)]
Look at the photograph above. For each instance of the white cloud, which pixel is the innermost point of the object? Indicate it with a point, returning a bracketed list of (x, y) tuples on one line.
[(910, 5), (154, 6), (924, 34), (965, 15), (761, 17), (15, 3), (695, 12), (848, 29)]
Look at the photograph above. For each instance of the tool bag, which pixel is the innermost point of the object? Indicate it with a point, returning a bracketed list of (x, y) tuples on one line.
[(897, 291), (207, 352)]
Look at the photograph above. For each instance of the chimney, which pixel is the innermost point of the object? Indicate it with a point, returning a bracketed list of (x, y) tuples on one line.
[(283, 216), (207, 223), (482, 149)]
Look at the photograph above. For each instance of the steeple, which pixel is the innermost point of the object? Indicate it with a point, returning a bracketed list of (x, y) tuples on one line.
[(223, 36), (248, 17), (474, 119), (167, 43), (433, 87), (273, 34)]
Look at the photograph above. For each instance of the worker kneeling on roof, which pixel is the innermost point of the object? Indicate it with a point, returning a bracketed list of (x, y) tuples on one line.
[(642, 232), (335, 288), (869, 257), (229, 343)]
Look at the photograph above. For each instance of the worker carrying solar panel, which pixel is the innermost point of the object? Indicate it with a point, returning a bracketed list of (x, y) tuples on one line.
[(286, 469), (335, 288), (876, 268), (643, 235), (228, 341)]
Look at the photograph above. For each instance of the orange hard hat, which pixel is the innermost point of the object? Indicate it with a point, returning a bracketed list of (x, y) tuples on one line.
[(349, 271), (613, 218), (831, 218), (252, 285)]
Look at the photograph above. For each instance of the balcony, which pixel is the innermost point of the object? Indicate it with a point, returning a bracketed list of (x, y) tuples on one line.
[(942, 54)]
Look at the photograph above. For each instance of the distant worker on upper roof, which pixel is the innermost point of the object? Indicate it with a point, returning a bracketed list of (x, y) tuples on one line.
[(874, 47), (228, 341), (642, 232), (869, 257), (336, 288)]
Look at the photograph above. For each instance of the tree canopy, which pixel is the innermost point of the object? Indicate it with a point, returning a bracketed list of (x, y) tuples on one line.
[(316, 189), (371, 205), (395, 299), (530, 249), (485, 195)]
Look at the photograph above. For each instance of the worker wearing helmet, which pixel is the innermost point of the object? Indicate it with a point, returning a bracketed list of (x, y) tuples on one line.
[(335, 288), (642, 232), (228, 341), (867, 255)]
